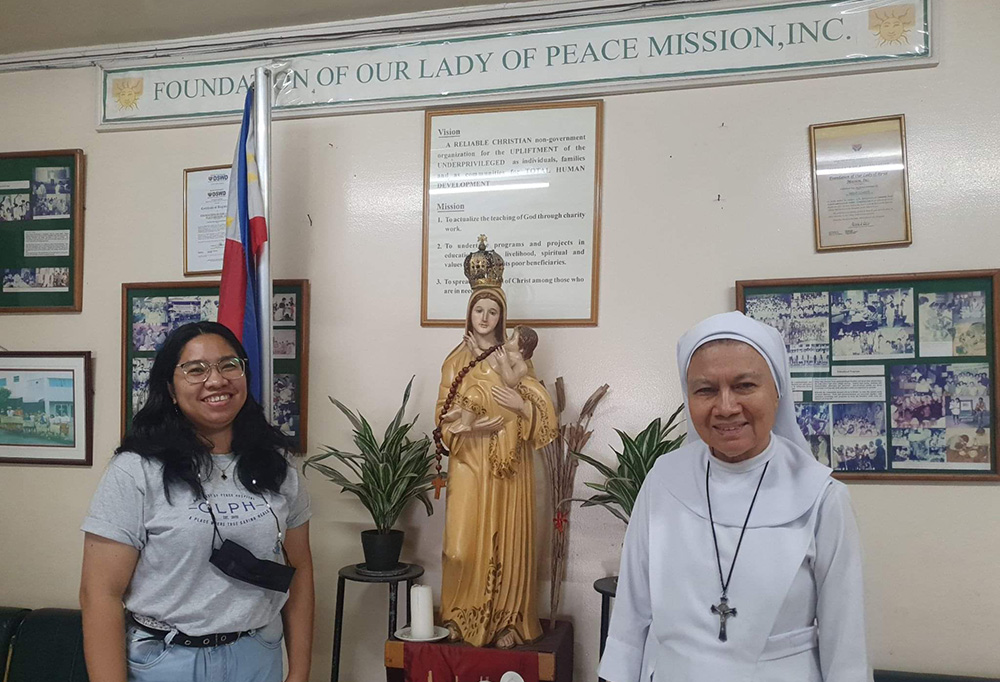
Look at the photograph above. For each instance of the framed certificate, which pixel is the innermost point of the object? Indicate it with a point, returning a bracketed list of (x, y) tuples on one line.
[(893, 376), (860, 190), (528, 177), (41, 232), (206, 198)]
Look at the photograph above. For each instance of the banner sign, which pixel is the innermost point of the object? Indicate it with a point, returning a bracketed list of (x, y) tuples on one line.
[(631, 54)]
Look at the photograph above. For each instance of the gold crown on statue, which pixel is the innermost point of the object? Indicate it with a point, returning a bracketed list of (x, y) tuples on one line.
[(484, 268)]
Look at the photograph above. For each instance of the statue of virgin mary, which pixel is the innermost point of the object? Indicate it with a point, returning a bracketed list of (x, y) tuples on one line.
[(489, 577)]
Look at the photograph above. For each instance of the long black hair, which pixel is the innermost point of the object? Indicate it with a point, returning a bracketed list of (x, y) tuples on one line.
[(160, 432)]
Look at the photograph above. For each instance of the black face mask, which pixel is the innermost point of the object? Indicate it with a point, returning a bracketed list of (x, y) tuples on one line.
[(239, 563)]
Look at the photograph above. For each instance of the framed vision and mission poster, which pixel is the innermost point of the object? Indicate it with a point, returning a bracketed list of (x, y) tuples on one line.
[(151, 310), (41, 232), (894, 376), (528, 177)]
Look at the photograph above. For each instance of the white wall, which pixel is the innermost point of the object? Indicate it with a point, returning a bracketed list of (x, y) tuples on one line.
[(671, 252)]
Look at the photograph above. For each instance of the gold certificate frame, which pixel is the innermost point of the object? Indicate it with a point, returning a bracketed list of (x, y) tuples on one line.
[(528, 176), (861, 195), (206, 195)]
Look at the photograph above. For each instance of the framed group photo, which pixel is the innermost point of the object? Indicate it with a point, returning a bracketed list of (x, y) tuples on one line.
[(894, 376), (151, 310), (41, 231), (46, 408)]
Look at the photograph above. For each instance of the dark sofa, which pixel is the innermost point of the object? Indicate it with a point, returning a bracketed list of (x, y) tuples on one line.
[(44, 645)]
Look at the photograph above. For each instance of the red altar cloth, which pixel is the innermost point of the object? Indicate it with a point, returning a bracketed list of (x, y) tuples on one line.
[(435, 663), (550, 659)]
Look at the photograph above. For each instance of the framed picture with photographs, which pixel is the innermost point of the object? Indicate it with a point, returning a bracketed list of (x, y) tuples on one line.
[(46, 408), (861, 196), (151, 310), (894, 376), (41, 231)]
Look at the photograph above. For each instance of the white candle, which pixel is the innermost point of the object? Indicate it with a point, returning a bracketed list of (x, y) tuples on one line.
[(421, 612)]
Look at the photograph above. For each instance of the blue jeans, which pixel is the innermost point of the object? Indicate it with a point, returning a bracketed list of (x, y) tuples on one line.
[(251, 658)]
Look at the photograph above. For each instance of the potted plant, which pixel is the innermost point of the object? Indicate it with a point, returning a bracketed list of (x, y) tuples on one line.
[(390, 474), (638, 455), (621, 485)]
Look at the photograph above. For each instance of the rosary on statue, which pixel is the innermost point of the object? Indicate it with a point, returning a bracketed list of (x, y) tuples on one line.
[(441, 478), (723, 610)]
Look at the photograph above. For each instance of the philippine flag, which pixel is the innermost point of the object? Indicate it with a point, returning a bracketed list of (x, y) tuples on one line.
[(246, 237)]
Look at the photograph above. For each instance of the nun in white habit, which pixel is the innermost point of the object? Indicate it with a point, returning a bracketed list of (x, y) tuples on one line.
[(742, 560)]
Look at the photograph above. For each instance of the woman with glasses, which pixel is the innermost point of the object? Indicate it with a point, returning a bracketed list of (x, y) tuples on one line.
[(197, 526)]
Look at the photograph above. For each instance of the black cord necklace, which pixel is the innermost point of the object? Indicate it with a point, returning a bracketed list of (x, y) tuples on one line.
[(722, 609), (223, 470)]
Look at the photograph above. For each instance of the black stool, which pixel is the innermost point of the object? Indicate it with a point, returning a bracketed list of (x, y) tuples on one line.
[(607, 588), (351, 572)]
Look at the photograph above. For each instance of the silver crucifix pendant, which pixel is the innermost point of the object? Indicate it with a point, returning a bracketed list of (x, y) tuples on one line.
[(723, 611)]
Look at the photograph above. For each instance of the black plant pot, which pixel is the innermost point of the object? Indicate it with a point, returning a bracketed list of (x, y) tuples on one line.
[(381, 549)]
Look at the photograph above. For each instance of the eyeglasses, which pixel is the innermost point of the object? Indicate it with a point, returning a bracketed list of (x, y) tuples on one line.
[(198, 371)]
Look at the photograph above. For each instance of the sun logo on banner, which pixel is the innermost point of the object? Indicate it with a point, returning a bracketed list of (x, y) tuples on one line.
[(126, 92), (892, 24)]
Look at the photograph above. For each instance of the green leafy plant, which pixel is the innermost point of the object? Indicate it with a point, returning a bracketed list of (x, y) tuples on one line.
[(389, 474), (638, 455)]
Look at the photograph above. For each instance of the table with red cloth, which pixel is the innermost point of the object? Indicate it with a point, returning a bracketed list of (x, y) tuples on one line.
[(550, 659)]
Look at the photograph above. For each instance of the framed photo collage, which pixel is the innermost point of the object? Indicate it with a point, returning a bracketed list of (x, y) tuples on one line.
[(893, 376), (41, 231)]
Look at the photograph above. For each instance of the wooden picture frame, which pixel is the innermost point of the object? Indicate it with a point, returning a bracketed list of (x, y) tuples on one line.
[(151, 310), (894, 376), (861, 190), (549, 235), (41, 231), (206, 194), (47, 408)]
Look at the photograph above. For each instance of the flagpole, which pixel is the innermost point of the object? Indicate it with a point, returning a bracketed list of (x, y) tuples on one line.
[(262, 124)]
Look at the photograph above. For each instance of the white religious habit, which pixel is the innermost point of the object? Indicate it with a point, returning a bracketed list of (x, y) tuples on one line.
[(795, 609)]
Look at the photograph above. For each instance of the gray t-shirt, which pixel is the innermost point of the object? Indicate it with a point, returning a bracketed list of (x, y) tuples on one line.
[(173, 581)]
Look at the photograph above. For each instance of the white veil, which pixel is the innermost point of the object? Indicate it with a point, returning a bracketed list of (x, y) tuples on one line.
[(767, 341)]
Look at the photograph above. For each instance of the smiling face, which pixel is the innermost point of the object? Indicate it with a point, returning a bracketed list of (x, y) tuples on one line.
[(732, 399), (211, 406), (891, 29)]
